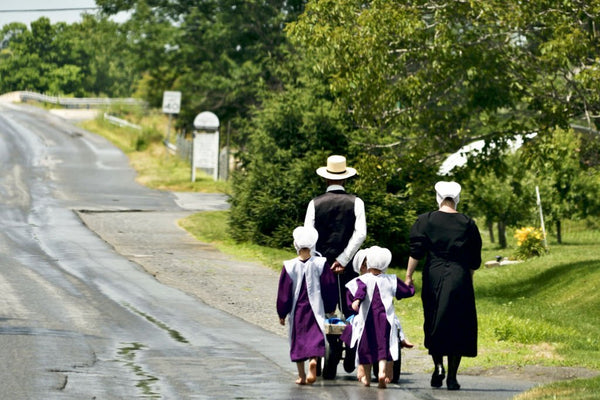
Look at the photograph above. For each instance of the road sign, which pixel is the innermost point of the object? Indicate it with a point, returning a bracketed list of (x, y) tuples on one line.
[(171, 102)]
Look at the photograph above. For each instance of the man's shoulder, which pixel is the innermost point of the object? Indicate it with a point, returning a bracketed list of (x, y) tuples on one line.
[(336, 193)]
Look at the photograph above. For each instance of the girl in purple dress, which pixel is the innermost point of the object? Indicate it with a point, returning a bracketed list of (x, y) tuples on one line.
[(372, 297), (307, 290)]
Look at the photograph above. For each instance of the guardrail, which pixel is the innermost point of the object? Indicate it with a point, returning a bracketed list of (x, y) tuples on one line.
[(121, 122), (78, 102)]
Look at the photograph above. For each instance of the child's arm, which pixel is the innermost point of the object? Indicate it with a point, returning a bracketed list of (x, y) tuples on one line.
[(285, 298), (403, 290), (359, 295)]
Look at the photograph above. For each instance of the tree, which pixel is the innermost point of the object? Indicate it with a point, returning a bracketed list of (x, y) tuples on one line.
[(219, 53), (565, 182), (429, 77), (82, 59)]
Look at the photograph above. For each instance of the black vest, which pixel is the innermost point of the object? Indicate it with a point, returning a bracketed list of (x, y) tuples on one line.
[(334, 220)]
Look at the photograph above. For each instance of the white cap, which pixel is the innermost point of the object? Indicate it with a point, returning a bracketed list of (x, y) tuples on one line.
[(447, 189), (305, 237), (358, 260), (378, 258)]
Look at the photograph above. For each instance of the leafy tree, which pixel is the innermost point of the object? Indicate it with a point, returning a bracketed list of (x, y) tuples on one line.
[(219, 53), (81, 59), (567, 186), (432, 76), (290, 136)]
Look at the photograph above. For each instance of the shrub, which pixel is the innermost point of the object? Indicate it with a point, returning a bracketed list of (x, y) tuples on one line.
[(530, 243)]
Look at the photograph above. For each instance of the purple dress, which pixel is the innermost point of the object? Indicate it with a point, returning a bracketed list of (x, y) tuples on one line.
[(306, 337), (374, 343)]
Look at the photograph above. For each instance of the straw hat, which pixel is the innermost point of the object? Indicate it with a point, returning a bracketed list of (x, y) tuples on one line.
[(336, 169)]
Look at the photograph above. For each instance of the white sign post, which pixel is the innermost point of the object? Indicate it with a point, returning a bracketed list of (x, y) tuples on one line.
[(171, 105), (539, 204), (205, 147)]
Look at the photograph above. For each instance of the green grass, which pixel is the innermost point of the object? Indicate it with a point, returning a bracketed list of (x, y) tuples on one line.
[(578, 389), (211, 227), (544, 311)]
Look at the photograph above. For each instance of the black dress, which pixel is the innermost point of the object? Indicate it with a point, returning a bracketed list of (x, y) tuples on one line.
[(452, 244)]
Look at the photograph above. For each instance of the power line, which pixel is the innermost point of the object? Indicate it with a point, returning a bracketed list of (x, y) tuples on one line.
[(49, 9)]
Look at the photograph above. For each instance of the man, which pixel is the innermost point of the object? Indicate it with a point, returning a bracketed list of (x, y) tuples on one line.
[(340, 219)]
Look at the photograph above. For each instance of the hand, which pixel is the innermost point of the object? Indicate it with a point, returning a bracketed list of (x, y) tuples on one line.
[(356, 305), (282, 321), (337, 268), (409, 281)]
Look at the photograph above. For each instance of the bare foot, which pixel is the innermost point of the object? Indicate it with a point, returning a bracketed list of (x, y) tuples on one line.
[(383, 381), (389, 371), (312, 371), (300, 381), (382, 378), (365, 381), (360, 372), (405, 343)]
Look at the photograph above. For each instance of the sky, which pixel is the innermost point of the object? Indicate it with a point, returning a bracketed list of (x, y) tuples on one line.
[(26, 11)]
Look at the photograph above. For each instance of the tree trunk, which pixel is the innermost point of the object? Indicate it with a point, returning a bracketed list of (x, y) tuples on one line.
[(558, 232), (502, 234), (491, 231)]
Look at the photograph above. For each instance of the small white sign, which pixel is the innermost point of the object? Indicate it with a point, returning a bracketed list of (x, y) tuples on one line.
[(171, 102), (205, 154)]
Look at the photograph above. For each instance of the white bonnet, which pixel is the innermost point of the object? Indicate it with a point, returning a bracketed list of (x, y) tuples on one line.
[(305, 237), (378, 258), (447, 189), (358, 260)]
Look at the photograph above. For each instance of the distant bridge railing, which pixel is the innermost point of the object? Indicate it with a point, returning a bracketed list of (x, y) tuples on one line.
[(81, 102)]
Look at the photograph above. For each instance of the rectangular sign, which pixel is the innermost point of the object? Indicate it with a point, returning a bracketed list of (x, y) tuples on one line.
[(205, 154), (171, 102)]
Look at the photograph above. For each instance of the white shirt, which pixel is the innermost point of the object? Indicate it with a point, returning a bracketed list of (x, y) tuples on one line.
[(360, 226)]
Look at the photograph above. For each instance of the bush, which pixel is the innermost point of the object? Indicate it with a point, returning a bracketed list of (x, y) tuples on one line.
[(530, 243)]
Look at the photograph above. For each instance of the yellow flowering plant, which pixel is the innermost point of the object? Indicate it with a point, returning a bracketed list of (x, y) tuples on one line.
[(530, 243)]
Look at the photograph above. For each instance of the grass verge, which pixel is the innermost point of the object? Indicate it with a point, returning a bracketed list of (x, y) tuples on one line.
[(156, 168)]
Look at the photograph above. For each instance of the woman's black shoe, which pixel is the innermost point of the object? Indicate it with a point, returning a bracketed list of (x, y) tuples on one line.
[(452, 384), (438, 376)]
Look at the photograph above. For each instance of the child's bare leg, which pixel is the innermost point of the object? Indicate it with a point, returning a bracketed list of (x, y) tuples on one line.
[(301, 374), (389, 371), (312, 371), (382, 374), (366, 379)]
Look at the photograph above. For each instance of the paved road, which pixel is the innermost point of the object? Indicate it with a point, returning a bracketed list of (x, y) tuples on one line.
[(105, 297)]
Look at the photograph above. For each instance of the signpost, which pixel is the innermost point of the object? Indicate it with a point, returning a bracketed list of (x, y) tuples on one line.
[(205, 146), (171, 105)]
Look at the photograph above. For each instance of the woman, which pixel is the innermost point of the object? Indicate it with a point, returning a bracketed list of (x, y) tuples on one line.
[(452, 244)]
